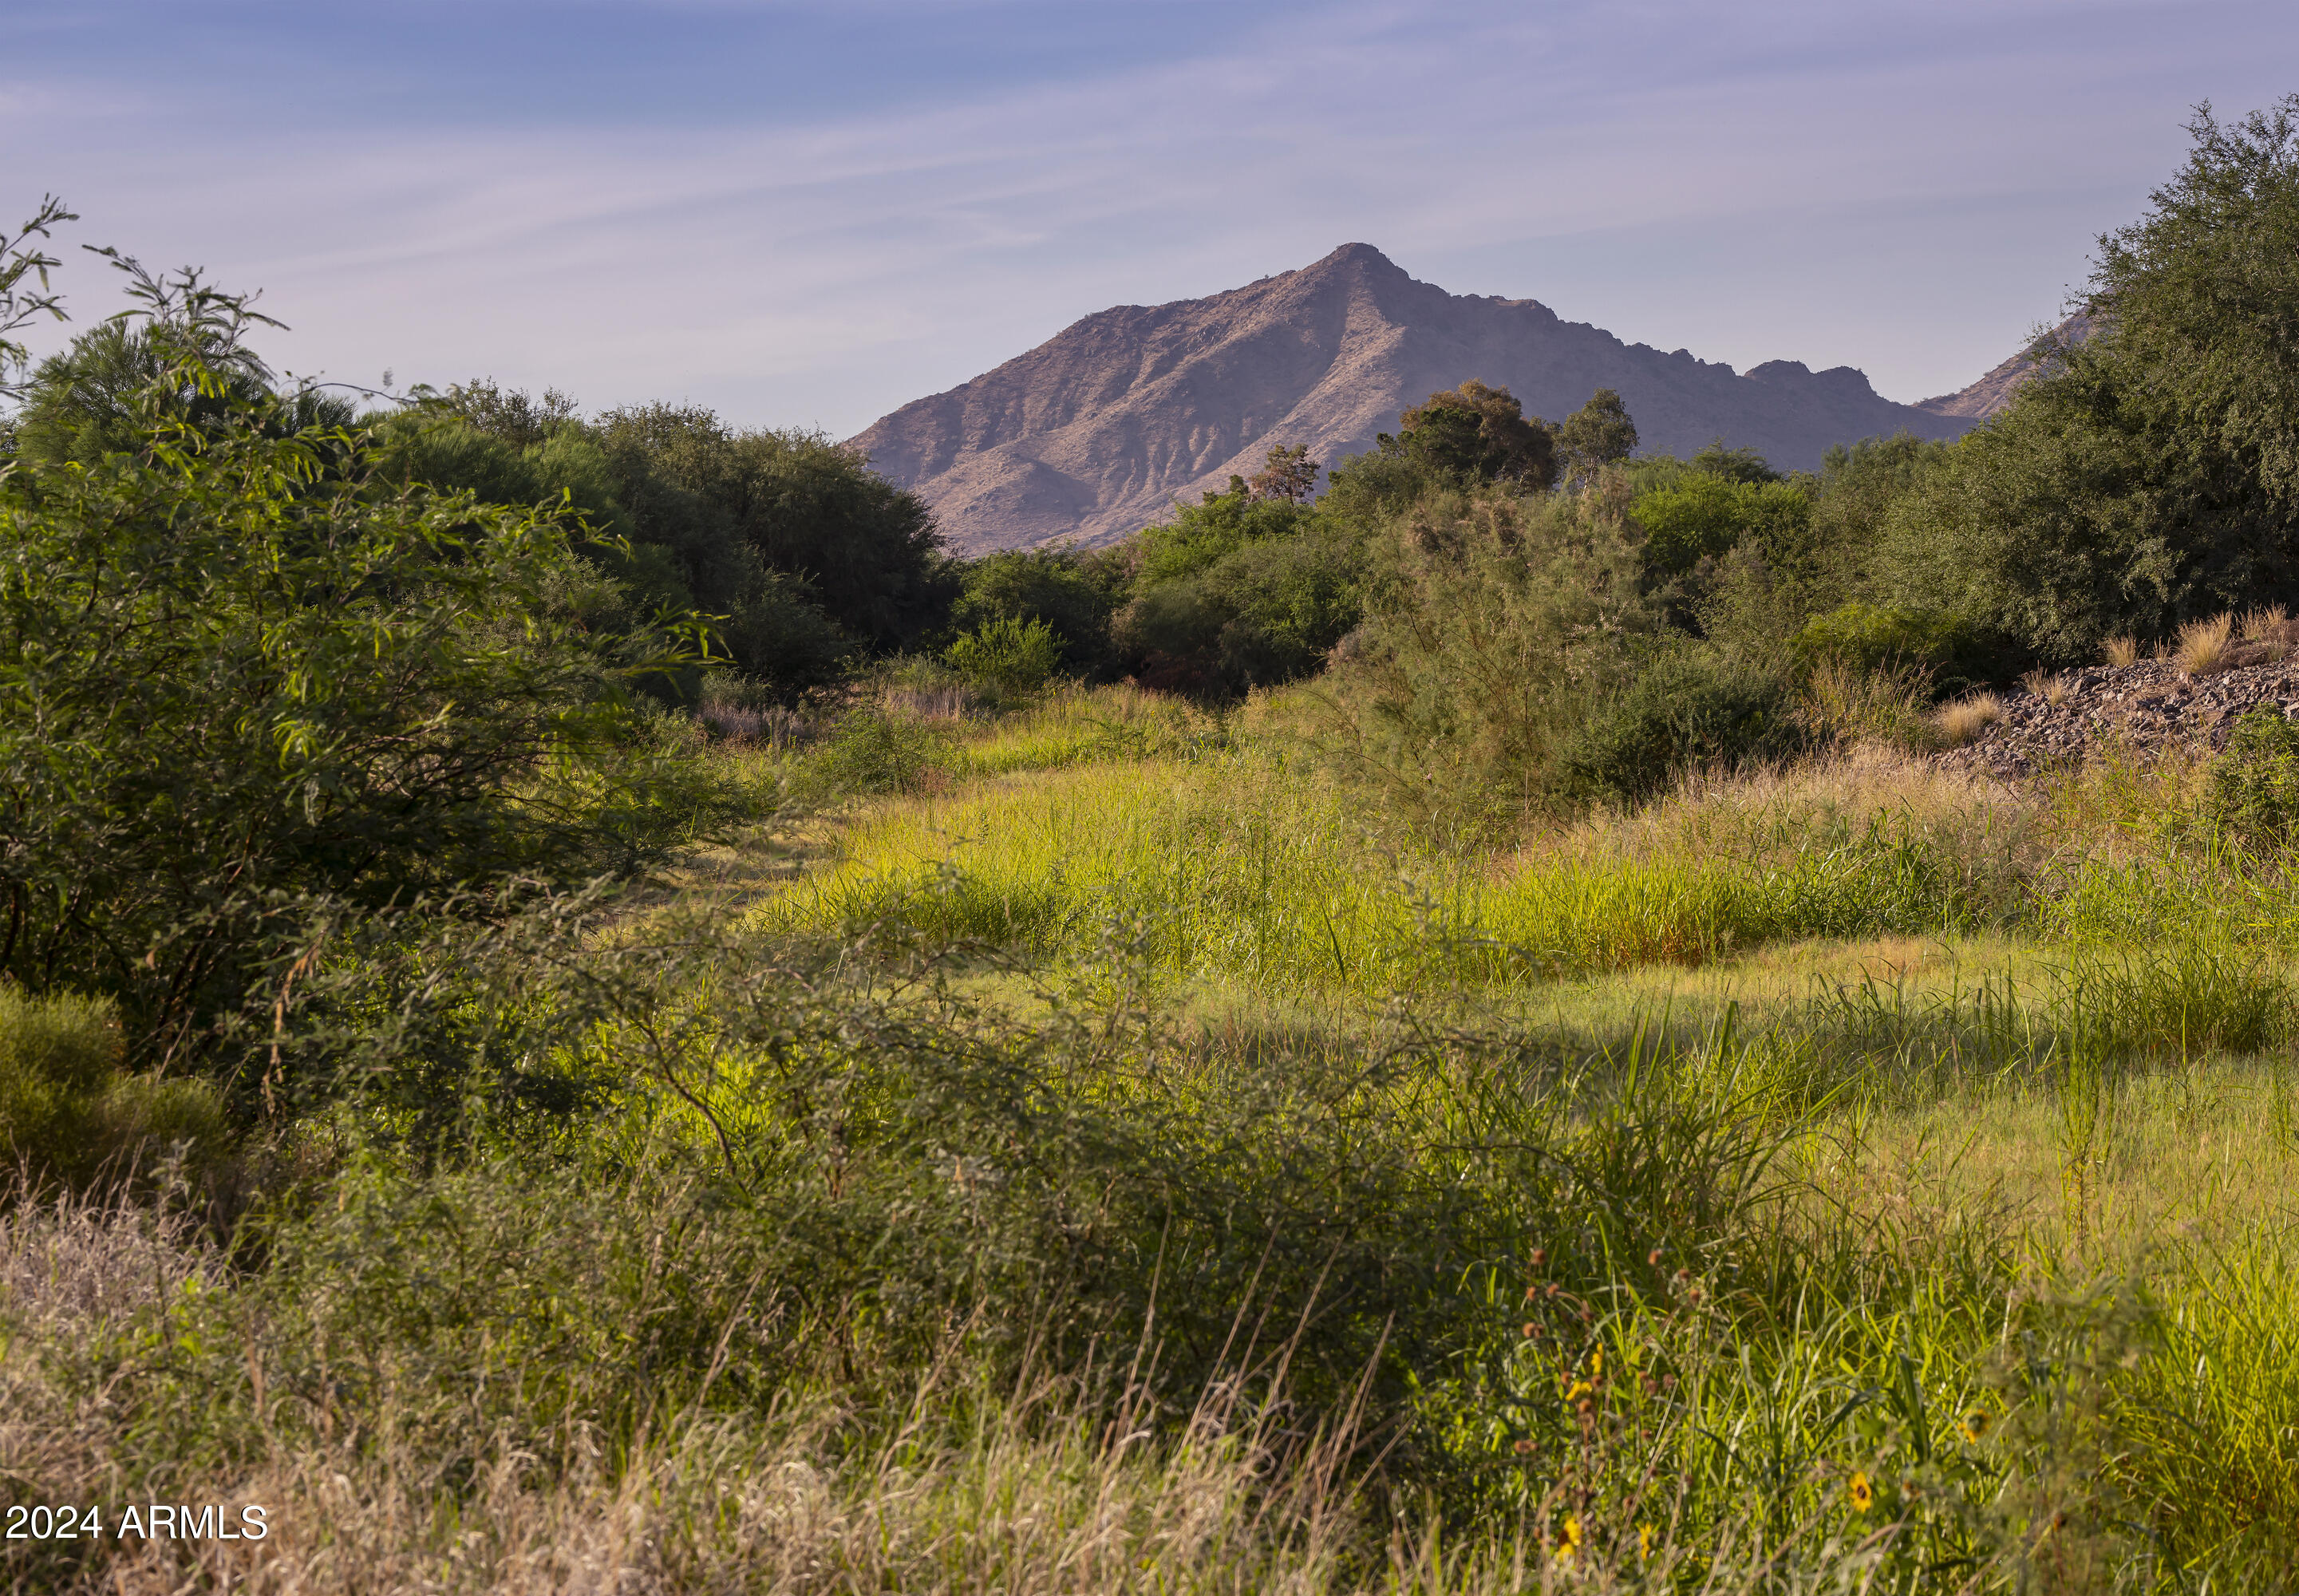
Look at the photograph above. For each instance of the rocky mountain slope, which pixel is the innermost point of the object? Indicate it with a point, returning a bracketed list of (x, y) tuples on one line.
[(1994, 391), (1095, 432)]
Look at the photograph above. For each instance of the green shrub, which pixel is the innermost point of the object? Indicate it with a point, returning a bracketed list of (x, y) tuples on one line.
[(873, 751), (1706, 514), (1683, 711), (228, 682), (2253, 786), (1873, 638), (1492, 625), (1008, 657), (1056, 587), (66, 1110)]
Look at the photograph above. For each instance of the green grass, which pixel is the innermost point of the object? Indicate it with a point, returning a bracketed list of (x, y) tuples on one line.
[(1853, 1178)]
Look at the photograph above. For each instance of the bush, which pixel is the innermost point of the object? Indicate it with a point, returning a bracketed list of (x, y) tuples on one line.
[(1010, 657), (873, 751), (1683, 713), (1053, 585), (1706, 514), (1871, 637), (230, 681), (67, 1111), (2253, 790), (1492, 624)]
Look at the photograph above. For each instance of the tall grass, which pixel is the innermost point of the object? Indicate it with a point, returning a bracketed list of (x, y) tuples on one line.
[(1243, 868)]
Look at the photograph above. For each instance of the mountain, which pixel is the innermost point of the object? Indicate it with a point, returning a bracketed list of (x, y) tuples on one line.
[(1994, 391), (1094, 432)]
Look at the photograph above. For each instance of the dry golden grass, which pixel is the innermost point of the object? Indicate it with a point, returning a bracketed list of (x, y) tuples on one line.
[(2121, 650), (1849, 707), (1028, 1494), (2202, 645), (2049, 685), (1960, 722), (2260, 626)]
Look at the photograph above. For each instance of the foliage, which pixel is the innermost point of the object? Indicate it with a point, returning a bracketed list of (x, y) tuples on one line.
[(24, 292), (1870, 637), (1740, 465), (1498, 622), (1475, 436), (867, 551), (1684, 711), (67, 1111), (1218, 525), (1010, 657), (1056, 587), (1238, 592), (1707, 514), (2253, 787), (873, 751), (1289, 474), (224, 677), (2145, 477), (803, 556), (1600, 434)]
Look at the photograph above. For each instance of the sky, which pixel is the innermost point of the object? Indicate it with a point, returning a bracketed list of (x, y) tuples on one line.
[(806, 214)]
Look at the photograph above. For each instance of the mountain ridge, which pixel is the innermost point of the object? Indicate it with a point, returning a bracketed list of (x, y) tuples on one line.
[(1096, 431)]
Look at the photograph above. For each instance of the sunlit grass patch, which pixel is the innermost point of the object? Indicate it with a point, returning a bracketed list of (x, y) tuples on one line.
[(1238, 866), (1080, 725)]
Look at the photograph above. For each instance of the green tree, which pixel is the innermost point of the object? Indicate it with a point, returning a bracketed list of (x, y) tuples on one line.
[(1054, 586), (867, 551), (664, 546), (1289, 475), (1597, 435), (236, 678), (1476, 434), (2151, 472)]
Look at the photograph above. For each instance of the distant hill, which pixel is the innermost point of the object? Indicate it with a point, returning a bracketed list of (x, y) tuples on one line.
[(1994, 391), (1095, 432)]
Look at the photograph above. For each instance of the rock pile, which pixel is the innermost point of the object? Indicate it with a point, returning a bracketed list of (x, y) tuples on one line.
[(2144, 707)]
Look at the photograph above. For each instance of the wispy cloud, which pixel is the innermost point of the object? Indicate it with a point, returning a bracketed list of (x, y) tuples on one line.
[(1906, 191)]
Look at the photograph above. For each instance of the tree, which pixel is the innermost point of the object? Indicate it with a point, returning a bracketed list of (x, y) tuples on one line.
[(24, 292), (237, 677), (1599, 434), (867, 551), (2150, 473), (667, 547), (1477, 433), (1290, 475)]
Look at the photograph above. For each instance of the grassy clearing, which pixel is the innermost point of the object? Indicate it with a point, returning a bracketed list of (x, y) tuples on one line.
[(1849, 1178), (1237, 866)]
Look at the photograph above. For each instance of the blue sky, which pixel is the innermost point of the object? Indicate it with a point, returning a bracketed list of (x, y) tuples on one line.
[(807, 214)]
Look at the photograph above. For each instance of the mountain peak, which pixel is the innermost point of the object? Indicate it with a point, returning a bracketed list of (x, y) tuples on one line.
[(1358, 255), (1098, 430)]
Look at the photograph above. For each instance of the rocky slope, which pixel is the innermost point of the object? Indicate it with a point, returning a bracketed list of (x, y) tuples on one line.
[(1994, 391), (2144, 708), (1096, 432)]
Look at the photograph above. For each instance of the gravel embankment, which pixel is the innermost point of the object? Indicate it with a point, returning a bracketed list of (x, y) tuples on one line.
[(2142, 707)]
